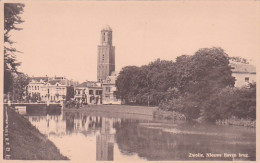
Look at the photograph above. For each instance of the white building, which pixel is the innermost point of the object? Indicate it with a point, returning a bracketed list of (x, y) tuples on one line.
[(88, 92), (56, 91), (109, 89), (49, 89), (34, 88), (243, 73)]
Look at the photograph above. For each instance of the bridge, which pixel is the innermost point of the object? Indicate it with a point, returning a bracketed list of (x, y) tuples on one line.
[(33, 105)]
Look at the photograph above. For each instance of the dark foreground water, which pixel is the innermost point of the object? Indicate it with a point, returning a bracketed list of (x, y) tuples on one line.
[(91, 136)]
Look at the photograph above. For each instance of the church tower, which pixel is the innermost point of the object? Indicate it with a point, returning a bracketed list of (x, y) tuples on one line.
[(106, 55)]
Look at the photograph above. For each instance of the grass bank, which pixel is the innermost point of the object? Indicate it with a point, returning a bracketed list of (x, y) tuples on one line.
[(124, 109), (27, 143), (169, 115)]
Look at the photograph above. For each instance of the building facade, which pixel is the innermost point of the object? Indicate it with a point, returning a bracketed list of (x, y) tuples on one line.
[(106, 55), (244, 73), (88, 92), (52, 89), (34, 88), (56, 91), (109, 90)]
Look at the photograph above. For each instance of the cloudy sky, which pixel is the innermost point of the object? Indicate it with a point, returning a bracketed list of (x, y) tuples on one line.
[(61, 38)]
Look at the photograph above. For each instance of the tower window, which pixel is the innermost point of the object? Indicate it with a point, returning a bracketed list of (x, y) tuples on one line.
[(247, 79)]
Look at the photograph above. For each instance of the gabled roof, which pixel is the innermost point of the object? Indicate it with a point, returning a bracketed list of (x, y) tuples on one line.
[(61, 82), (88, 84), (238, 67), (38, 79), (110, 80)]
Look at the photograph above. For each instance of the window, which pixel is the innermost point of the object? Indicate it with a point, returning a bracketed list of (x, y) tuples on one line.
[(108, 89), (91, 92), (98, 92), (247, 79)]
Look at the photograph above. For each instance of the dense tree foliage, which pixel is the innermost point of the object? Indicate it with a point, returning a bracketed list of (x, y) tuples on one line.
[(160, 80), (204, 72), (228, 102), (198, 86), (20, 81), (12, 18), (150, 83)]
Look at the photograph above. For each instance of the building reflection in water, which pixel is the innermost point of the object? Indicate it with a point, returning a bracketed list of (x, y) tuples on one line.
[(67, 123), (105, 141), (138, 139)]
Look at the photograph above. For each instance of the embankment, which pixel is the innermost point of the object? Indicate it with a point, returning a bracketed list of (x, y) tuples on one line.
[(27, 143)]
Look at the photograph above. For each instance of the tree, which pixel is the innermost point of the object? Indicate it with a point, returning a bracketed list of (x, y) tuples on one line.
[(126, 84), (208, 69), (12, 18), (199, 77), (20, 81), (153, 82)]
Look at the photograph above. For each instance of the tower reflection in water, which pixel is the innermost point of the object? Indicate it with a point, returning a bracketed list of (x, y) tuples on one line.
[(105, 141)]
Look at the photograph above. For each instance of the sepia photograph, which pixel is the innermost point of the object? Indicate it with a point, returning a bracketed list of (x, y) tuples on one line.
[(87, 81)]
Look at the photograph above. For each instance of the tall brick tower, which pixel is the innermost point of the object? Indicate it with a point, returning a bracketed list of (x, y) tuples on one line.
[(106, 55)]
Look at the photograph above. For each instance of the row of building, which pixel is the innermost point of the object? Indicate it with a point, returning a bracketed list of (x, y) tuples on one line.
[(57, 89)]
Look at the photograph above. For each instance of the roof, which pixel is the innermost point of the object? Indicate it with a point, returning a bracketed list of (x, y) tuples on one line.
[(110, 80), (238, 67), (53, 82), (38, 79), (106, 28), (88, 84)]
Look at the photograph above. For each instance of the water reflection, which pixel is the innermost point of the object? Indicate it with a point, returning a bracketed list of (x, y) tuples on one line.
[(105, 141), (86, 136)]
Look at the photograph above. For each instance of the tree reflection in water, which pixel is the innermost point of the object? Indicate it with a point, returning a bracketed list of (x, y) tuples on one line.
[(157, 144), (147, 139)]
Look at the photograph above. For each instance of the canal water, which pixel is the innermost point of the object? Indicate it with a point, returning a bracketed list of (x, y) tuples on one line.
[(92, 136)]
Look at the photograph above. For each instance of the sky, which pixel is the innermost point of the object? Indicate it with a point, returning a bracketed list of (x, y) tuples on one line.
[(61, 38)]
